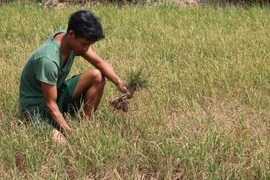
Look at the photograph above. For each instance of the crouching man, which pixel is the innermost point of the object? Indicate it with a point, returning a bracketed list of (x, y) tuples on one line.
[(45, 92)]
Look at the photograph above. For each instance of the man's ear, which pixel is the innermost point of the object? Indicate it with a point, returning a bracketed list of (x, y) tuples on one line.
[(71, 34)]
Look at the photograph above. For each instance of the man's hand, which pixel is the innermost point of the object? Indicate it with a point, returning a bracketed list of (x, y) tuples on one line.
[(122, 87)]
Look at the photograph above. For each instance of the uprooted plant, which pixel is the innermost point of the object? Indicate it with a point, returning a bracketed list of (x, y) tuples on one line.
[(135, 82)]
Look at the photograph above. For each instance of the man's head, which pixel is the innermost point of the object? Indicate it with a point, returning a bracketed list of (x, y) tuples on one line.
[(85, 25), (84, 29)]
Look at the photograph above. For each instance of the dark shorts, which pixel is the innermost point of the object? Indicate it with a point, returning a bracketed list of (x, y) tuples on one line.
[(65, 102)]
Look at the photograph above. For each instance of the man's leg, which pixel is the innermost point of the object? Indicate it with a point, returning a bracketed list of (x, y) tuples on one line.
[(91, 84)]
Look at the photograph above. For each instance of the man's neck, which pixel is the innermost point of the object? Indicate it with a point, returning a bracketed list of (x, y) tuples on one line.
[(61, 39)]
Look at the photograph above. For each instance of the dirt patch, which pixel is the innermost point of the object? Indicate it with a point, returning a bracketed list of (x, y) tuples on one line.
[(65, 3)]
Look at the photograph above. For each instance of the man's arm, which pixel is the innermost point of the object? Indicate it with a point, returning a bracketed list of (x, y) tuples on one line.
[(50, 98), (105, 69)]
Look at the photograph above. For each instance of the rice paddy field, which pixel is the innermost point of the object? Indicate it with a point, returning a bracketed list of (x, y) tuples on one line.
[(204, 114)]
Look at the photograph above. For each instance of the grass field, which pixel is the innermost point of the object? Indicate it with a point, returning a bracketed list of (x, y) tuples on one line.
[(204, 115)]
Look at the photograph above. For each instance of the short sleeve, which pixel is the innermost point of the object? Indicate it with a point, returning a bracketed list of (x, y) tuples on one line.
[(46, 71)]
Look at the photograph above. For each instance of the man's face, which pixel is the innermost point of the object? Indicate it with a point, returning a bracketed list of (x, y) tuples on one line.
[(79, 45)]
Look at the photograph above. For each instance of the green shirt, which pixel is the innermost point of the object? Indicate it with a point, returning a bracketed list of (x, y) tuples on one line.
[(44, 65)]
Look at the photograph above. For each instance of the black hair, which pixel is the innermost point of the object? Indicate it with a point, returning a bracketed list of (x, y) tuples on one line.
[(86, 25)]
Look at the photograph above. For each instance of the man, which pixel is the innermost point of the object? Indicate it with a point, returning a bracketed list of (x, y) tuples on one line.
[(44, 90)]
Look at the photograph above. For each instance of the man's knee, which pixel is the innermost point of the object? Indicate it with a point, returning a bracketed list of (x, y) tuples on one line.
[(98, 76)]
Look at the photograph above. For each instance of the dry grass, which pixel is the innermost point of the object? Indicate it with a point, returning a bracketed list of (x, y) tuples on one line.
[(204, 114)]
